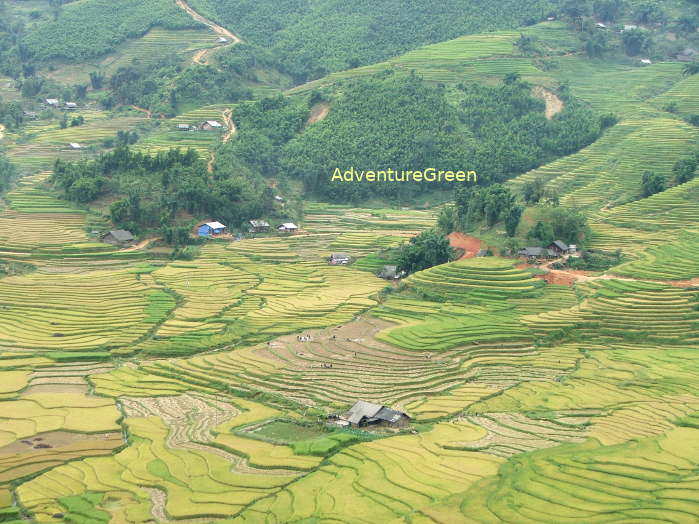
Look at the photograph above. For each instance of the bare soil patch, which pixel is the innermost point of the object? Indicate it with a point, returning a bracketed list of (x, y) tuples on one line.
[(469, 245), (318, 113)]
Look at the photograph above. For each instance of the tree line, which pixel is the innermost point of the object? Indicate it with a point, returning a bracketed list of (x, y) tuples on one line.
[(402, 123), (151, 191)]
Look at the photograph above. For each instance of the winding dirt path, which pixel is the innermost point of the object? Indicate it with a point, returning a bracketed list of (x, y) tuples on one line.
[(554, 105), (202, 56), (148, 113), (141, 244), (228, 120), (470, 245), (569, 277), (318, 113)]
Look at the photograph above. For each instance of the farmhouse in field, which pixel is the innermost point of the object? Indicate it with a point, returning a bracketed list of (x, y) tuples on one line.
[(75, 146), (559, 247), (71, 105), (259, 226), (391, 273), (222, 40), (687, 55), (211, 125), (646, 61), (288, 227), (368, 414), (53, 102), (120, 237), (184, 127), (339, 259), (211, 228), (533, 253)]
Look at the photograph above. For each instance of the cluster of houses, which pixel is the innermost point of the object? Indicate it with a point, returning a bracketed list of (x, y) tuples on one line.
[(67, 106), (262, 226), (364, 414), (556, 249), (119, 238), (209, 125)]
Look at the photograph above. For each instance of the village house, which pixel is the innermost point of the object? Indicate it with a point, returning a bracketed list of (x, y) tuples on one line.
[(75, 146), (368, 414), (211, 228), (391, 273), (184, 127), (646, 61), (339, 259), (533, 253), (70, 106), (222, 40), (687, 55), (559, 247), (211, 125), (52, 102), (120, 237), (259, 226), (288, 227)]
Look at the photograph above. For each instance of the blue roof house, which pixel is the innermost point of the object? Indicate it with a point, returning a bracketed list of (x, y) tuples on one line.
[(211, 228)]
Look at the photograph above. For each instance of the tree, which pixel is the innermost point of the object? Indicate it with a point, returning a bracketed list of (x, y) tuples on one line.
[(7, 174), (543, 232), (597, 44), (649, 13), (533, 191), (425, 250), (691, 69), (96, 79), (609, 10), (652, 183), (512, 218), (684, 170), (447, 220), (636, 41)]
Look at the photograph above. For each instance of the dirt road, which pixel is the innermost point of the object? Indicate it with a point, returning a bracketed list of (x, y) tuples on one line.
[(228, 120), (470, 245), (202, 56), (554, 105)]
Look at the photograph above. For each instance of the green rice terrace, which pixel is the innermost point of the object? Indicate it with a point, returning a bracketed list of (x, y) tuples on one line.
[(396, 358)]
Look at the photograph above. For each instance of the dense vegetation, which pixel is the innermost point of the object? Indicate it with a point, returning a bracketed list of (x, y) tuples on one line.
[(151, 191), (7, 173), (312, 38), (426, 250), (93, 28), (163, 86), (391, 122)]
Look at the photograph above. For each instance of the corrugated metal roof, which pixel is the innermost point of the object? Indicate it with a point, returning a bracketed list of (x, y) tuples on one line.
[(215, 225), (362, 409)]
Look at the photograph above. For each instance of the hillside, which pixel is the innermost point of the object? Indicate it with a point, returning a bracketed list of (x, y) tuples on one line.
[(198, 324)]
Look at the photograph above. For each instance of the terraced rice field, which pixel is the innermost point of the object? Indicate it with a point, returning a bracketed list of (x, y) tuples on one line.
[(672, 261), (331, 218), (685, 94), (622, 309), (609, 171), (648, 222), (95, 311), (469, 58), (489, 279)]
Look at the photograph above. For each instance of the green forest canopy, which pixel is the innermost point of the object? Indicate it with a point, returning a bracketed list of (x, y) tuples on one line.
[(311, 38), (150, 191), (92, 28), (390, 121)]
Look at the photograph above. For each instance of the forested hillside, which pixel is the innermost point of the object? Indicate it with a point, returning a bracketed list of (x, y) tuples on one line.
[(91, 28), (312, 38), (402, 123)]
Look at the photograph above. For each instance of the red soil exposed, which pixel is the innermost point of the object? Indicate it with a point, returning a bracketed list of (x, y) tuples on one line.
[(468, 244)]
